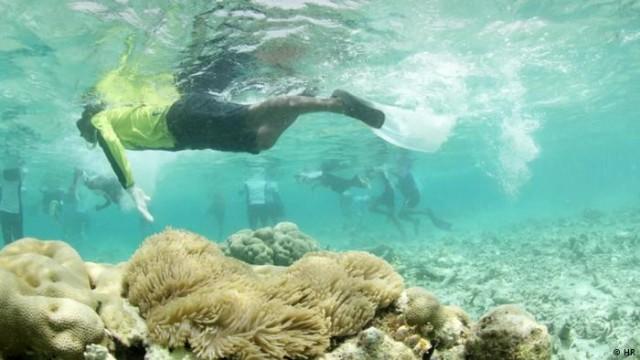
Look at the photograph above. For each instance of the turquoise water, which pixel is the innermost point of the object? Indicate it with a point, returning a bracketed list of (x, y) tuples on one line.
[(537, 103), (540, 97)]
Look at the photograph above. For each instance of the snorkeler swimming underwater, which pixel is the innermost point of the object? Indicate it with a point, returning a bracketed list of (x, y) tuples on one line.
[(200, 121)]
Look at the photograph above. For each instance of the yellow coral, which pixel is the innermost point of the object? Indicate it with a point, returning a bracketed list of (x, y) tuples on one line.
[(51, 326), (420, 307), (49, 268), (348, 287), (216, 304), (46, 303), (173, 264), (221, 308)]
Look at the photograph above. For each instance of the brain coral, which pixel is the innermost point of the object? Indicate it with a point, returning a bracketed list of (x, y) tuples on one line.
[(191, 294), (420, 307), (46, 306)]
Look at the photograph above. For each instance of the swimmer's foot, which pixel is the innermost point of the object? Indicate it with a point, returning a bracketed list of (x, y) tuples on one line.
[(360, 109)]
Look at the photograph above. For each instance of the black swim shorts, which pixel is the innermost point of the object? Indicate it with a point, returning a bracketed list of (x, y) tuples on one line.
[(200, 121)]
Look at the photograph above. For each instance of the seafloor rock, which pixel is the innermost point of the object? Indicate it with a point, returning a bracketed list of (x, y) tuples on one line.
[(426, 326), (46, 305), (281, 245), (191, 294), (510, 333), (371, 344)]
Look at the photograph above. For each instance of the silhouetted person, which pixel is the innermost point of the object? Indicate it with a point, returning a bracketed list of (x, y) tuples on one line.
[(217, 209), (11, 211)]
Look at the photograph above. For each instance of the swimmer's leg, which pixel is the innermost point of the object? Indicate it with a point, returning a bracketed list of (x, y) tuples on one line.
[(406, 214), (379, 207), (272, 117)]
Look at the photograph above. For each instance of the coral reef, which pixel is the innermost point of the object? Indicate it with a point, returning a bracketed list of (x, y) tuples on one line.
[(371, 344), (97, 352), (156, 352), (45, 301), (349, 287), (281, 245), (120, 318), (422, 317), (590, 303), (508, 332), (191, 294), (181, 298), (49, 268), (420, 308), (56, 305)]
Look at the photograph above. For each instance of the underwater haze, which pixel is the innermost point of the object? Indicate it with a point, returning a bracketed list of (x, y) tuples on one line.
[(521, 128)]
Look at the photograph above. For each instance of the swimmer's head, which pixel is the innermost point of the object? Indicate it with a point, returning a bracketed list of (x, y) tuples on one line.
[(87, 130)]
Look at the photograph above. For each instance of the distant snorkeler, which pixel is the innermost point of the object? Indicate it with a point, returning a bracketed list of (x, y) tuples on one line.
[(408, 187), (52, 200), (62, 205), (385, 202), (325, 177), (275, 206), (107, 187), (217, 210), (255, 190), (11, 209), (200, 121)]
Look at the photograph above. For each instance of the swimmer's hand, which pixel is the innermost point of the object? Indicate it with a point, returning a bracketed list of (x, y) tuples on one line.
[(141, 199)]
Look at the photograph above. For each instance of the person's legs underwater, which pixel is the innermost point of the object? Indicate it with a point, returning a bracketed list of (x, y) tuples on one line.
[(19, 226), (8, 224), (384, 205), (407, 212), (272, 117), (257, 215)]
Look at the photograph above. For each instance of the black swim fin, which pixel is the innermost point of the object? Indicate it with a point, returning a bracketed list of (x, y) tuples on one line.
[(360, 109)]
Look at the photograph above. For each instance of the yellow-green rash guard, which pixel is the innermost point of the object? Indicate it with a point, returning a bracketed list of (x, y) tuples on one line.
[(141, 127)]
